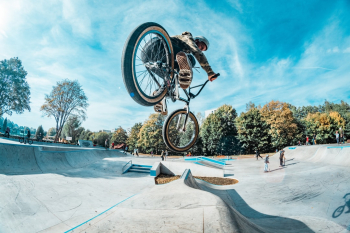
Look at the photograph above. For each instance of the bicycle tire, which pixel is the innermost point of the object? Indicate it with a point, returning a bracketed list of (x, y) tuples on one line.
[(167, 131), (128, 62), (30, 141), (21, 140)]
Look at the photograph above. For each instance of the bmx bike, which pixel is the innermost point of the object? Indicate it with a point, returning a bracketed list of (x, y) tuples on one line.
[(24, 140), (150, 74)]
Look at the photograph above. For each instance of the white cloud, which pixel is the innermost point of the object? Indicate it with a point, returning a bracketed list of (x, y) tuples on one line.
[(347, 50), (75, 13)]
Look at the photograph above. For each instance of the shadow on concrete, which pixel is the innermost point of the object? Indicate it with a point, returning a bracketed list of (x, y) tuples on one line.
[(290, 164), (264, 222), (337, 212), (277, 169)]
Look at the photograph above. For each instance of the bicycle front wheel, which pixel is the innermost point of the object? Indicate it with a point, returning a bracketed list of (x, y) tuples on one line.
[(147, 61), (177, 137)]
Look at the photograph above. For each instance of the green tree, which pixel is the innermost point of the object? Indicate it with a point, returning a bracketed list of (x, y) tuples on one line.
[(39, 134), (253, 131), (65, 99), (119, 136), (283, 126), (14, 89), (86, 135), (100, 138), (218, 132), (4, 125), (150, 135), (324, 125), (72, 128), (51, 131), (134, 136)]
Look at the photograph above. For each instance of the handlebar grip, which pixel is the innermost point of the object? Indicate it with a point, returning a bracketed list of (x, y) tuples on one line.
[(216, 75)]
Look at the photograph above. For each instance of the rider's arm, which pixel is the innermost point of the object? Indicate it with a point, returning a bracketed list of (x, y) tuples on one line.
[(201, 58)]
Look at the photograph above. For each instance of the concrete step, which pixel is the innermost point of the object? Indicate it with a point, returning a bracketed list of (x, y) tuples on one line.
[(139, 165), (139, 170), (210, 164)]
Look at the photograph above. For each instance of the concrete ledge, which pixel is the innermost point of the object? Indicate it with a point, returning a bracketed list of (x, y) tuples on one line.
[(177, 168), (155, 170)]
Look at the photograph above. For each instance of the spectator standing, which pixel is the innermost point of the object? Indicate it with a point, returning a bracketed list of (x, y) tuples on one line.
[(337, 136), (137, 152), (307, 140), (257, 154), (341, 134), (166, 154), (299, 144), (112, 145), (28, 136), (266, 163), (314, 139), (281, 157), (152, 153), (7, 132), (162, 155), (106, 144)]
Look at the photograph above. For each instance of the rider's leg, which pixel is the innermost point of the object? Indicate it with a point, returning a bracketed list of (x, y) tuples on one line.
[(185, 73)]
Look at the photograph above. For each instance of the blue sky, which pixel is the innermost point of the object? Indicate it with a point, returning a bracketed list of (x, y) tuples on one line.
[(292, 51)]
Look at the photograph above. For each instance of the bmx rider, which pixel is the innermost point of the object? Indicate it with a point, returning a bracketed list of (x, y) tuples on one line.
[(184, 45)]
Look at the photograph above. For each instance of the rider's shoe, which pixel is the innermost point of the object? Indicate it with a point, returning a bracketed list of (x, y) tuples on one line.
[(185, 74), (161, 107)]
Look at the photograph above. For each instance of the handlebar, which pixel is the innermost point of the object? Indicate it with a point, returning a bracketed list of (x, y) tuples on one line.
[(203, 85)]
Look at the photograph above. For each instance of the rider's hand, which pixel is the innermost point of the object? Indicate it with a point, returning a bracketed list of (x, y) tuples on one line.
[(213, 77)]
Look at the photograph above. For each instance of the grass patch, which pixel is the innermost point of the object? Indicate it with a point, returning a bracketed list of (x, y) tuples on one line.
[(163, 179)]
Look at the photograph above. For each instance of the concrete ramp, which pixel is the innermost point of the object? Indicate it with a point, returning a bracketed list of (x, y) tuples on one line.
[(16, 159), (23, 159), (335, 155), (323, 154)]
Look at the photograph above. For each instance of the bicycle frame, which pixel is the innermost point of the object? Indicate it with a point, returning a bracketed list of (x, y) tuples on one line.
[(173, 88)]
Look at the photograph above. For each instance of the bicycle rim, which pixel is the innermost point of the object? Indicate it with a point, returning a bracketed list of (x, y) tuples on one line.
[(177, 137)]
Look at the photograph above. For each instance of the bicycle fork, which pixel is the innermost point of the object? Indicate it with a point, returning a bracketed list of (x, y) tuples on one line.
[(185, 122)]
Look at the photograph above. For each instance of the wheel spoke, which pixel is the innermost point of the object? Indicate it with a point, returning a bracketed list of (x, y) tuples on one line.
[(152, 48)]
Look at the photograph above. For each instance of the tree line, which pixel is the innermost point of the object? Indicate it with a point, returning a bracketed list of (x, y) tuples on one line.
[(272, 126)]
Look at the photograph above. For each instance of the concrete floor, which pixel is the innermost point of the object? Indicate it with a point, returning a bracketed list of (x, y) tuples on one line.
[(87, 193)]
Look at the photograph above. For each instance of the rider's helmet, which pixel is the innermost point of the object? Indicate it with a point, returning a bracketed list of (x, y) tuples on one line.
[(202, 39)]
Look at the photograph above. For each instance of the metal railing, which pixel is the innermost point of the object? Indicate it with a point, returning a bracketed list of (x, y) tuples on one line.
[(126, 167)]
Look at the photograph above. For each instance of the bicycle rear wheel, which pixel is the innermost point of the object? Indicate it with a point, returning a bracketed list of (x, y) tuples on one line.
[(174, 136), (147, 61)]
